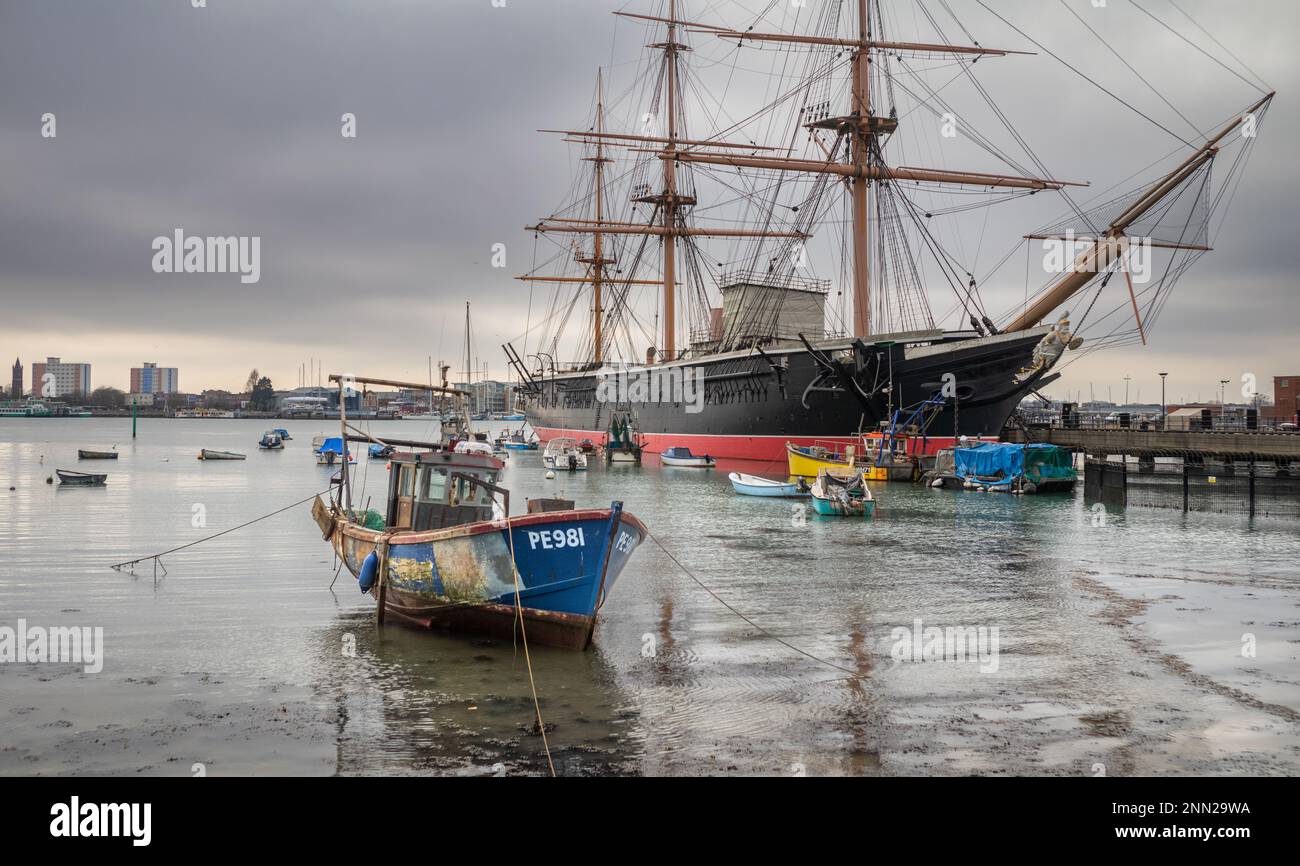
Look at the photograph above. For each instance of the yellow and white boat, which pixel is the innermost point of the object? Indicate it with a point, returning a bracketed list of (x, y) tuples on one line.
[(808, 461)]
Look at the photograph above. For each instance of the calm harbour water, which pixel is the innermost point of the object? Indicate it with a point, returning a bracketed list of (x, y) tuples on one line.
[(1120, 645)]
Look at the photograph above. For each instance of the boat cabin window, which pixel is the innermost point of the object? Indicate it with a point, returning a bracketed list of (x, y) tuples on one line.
[(465, 493), (435, 484), (424, 496)]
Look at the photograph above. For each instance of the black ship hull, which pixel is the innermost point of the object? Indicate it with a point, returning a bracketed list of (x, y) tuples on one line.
[(754, 402)]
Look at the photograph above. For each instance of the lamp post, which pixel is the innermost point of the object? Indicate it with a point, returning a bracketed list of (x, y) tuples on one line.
[(1223, 415), (1163, 404)]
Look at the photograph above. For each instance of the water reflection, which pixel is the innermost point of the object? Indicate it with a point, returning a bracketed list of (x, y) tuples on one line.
[(411, 701)]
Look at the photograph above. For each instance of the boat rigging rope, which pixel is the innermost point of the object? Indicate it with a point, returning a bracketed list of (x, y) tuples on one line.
[(519, 613), (1086, 77), (720, 600), (157, 556)]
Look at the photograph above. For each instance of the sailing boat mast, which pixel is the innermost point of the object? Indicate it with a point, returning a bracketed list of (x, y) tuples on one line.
[(863, 131), (598, 260), (670, 187), (666, 223), (861, 112)]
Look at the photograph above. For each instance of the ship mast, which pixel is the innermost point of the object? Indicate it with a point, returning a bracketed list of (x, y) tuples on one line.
[(668, 202), (670, 187), (864, 131), (598, 261), (861, 111)]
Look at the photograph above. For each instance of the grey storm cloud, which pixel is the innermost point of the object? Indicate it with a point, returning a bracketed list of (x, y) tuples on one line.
[(225, 120)]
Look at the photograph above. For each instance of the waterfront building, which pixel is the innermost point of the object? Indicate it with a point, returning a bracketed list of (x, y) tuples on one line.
[(65, 378), (488, 395), (16, 389), (1286, 398), (152, 379)]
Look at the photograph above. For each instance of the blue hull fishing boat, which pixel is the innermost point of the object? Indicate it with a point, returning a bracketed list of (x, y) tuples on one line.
[(444, 554)]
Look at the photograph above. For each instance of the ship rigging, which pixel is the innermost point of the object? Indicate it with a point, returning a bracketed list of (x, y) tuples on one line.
[(783, 360)]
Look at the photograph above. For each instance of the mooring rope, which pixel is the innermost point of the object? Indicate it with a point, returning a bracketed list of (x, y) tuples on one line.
[(519, 612), (157, 556), (852, 674)]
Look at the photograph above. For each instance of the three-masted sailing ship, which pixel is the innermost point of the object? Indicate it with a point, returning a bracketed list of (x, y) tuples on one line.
[(773, 370)]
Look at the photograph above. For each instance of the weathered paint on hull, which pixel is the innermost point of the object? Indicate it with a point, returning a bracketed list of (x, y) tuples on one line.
[(462, 577), (832, 508)]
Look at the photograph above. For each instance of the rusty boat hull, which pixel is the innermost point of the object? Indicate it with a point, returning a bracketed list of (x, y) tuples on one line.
[(461, 578)]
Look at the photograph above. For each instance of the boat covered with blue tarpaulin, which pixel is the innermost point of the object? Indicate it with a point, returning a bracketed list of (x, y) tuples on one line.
[(1016, 468)]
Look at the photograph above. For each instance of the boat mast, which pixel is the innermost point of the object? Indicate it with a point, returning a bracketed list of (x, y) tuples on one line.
[(863, 131), (598, 260), (861, 112), (670, 188)]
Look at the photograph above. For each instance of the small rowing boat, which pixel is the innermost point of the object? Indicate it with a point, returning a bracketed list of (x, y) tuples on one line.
[(681, 456), (754, 485), (81, 479), (83, 454), (210, 454), (844, 497)]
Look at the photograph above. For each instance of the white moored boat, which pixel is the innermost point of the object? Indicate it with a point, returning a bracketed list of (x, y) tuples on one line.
[(564, 453), (680, 456)]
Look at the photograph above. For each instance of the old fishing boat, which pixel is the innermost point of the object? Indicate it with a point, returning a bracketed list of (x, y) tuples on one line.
[(519, 441), (622, 445), (680, 455), (213, 454), (81, 479), (270, 441), (444, 552), (755, 485), (808, 461), (843, 497), (83, 454), (802, 305)]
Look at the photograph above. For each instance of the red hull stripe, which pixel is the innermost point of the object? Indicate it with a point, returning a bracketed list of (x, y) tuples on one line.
[(766, 448)]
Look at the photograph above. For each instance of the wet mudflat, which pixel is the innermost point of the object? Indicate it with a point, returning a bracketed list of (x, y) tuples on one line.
[(1150, 642)]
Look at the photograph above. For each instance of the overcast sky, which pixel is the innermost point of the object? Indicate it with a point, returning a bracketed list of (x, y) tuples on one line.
[(225, 120)]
